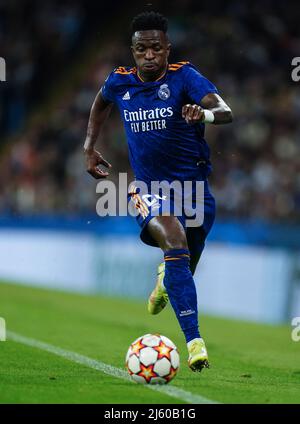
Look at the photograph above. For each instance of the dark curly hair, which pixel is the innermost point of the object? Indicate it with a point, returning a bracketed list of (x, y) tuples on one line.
[(149, 20)]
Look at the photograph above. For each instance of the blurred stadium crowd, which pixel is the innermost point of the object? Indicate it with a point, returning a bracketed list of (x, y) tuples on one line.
[(245, 48)]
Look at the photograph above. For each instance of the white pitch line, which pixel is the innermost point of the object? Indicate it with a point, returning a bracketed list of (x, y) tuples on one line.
[(172, 391)]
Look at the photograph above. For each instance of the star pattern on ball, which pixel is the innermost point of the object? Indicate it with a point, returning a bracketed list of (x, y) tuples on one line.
[(171, 374), (163, 350), (136, 347), (147, 372)]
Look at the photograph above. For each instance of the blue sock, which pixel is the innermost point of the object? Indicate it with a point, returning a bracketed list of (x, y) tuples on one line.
[(180, 286)]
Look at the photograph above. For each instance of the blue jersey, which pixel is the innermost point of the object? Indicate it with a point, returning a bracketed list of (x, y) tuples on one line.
[(162, 146)]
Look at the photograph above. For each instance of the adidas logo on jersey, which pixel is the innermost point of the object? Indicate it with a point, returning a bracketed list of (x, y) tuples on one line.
[(126, 96)]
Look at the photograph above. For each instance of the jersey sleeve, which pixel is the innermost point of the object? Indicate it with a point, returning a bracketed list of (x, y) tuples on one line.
[(196, 85), (107, 89)]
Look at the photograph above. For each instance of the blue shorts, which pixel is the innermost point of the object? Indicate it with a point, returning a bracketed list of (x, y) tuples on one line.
[(149, 206)]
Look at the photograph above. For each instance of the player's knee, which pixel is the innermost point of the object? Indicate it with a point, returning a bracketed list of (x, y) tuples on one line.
[(175, 242)]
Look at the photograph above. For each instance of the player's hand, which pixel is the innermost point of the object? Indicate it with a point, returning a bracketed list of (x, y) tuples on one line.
[(193, 114), (93, 160)]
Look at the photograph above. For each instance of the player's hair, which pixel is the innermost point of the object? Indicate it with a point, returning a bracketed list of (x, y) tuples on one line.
[(149, 20)]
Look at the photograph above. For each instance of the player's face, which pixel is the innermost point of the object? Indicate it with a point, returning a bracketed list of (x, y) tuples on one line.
[(150, 50)]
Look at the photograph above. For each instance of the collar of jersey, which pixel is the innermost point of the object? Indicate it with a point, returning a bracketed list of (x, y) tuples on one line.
[(158, 79)]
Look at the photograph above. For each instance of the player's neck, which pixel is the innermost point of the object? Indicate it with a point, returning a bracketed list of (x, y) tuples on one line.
[(151, 78)]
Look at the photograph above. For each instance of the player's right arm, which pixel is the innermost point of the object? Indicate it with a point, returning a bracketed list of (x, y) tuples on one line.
[(99, 113)]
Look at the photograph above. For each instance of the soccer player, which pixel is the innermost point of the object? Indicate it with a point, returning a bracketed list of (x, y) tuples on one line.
[(164, 108)]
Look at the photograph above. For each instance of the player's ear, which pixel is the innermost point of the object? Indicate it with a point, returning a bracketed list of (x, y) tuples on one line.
[(168, 49), (132, 44), (132, 50)]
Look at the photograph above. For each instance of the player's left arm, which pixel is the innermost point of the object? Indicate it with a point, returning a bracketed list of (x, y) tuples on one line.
[(212, 109)]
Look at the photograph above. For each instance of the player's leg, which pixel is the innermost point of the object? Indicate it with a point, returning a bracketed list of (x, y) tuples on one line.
[(159, 297), (196, 236), (170, 235), (196, 242)]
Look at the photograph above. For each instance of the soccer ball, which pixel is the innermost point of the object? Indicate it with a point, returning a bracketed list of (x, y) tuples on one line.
[(152, 359)]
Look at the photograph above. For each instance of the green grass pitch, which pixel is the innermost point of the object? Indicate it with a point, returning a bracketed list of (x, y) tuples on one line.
[(250, 363)]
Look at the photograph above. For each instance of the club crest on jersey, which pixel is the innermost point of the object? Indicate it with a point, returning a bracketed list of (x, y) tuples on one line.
[(164, 92)]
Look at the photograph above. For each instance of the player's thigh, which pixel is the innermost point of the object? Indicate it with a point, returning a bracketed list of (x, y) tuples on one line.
[(168, 232)]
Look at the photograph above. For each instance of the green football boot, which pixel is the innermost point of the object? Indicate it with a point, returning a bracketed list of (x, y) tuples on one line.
[(159, 297), (198, 358)]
